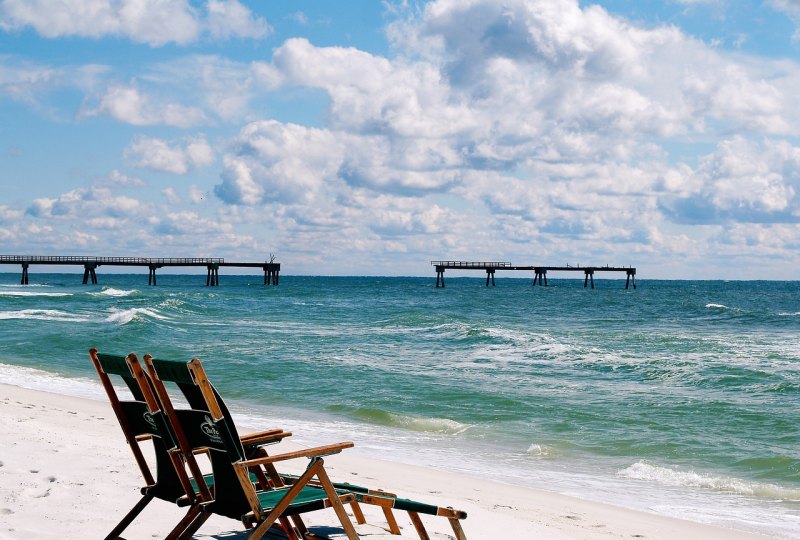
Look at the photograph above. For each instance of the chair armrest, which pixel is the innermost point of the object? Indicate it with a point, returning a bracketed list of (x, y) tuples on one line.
[(265, 437), (318, 451)]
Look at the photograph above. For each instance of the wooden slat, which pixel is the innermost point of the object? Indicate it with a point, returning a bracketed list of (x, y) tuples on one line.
[(308, 452)]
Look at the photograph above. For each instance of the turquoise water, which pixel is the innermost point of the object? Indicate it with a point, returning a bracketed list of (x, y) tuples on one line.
[(680, 397)]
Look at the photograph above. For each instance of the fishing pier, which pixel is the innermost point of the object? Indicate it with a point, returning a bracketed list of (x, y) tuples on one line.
[(90, 265), (540, 272)]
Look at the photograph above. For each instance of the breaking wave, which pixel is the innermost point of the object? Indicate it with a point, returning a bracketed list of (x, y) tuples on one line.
[(127, 315), (723, 484)]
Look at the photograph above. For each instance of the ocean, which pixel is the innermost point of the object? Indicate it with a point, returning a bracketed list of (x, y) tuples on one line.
[(680, 397)]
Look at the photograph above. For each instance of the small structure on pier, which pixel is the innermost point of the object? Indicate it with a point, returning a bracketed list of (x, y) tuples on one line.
[(540, 272), (90, 264)]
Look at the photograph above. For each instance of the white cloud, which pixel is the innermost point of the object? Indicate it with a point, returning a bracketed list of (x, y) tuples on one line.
[(229, 18), (153, 22), (279, 162), (129, 105), (160, 155), (117, 178)]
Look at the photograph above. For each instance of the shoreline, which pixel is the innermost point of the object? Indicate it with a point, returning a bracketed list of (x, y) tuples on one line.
[(65, 472)]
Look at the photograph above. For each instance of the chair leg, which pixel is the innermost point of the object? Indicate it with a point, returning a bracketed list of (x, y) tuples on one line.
[(301, 527), (129, 517), (423, 534), (393, 527), (360, 519), (338, 507), (456, 524), (286, 525), (189, 525)]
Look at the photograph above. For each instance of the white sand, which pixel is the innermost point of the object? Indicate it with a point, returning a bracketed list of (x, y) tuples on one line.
[(66, 472)]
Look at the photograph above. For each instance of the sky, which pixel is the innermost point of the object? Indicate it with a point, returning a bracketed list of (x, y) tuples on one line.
[(370, 138)]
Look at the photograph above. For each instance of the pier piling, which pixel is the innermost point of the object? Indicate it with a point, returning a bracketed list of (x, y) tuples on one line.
[(489, 272), (440, 277)]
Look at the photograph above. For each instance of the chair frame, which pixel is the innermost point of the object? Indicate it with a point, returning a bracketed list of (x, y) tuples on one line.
[(259, 518), (159, 430)]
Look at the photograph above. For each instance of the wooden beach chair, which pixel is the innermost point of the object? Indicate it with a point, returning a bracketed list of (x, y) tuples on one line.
[(205, 396), (240, 490), (139, 424)]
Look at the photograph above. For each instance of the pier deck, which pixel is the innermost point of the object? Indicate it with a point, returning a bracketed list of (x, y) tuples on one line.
[(90, 265), (540, 272)]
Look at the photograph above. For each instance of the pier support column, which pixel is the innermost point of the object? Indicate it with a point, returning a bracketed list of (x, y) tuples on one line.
[(589, 277), (24, 280), (270, 276), (541, 277), (212, 279), (151, 279), (89, 272), (489, 274), (439, 277), (631, 277)]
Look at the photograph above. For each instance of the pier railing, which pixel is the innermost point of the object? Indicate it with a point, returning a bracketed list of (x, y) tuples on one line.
[(90, 264), (539, 271), (79, 259), (471, 264)]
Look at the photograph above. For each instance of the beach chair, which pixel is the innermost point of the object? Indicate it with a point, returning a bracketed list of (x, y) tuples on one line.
[(201, 397), (139, 424), (234, 492), (170, 482)]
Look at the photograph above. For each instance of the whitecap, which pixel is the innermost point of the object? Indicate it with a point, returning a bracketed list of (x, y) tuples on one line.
[(32, 293), (723, 484), (42, 315), (110, 291), (717, 306), (124, 316)]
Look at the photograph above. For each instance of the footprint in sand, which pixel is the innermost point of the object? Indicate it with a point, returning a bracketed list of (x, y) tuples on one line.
[(1, 463), (51, 479), (42, 495), (6, 511)]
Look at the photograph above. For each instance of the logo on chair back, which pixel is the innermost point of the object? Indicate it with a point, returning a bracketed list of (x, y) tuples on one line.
[(210, 430), (150, 421)]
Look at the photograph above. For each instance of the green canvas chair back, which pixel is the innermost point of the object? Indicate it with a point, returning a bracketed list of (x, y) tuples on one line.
[(138, 422), (200, 430)]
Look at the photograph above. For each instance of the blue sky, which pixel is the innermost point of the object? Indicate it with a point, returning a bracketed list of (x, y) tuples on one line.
[(373, 137)]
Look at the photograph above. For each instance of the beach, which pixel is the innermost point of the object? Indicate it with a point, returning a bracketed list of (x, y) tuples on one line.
[(65, 472)]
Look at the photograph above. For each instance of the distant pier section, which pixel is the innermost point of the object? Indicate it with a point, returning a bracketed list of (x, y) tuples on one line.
[(90, 265), (540, 272)]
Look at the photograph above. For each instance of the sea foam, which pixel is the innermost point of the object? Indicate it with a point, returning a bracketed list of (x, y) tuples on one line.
[(43, 315), (723, 484), (125, 316), (110, 291), (32, 293)]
